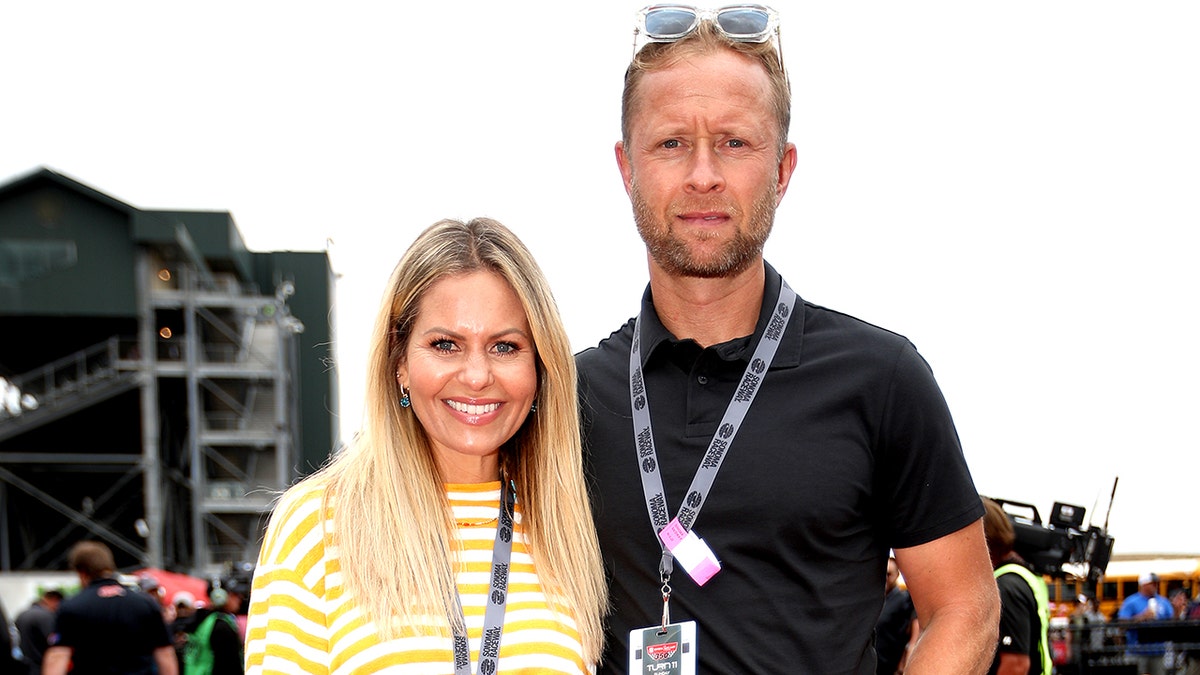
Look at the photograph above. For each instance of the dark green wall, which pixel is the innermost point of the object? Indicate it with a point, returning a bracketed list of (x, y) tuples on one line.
[(312, 304), (98, 283)]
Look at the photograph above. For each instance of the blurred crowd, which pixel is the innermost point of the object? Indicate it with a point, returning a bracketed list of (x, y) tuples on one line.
[(134, 619)]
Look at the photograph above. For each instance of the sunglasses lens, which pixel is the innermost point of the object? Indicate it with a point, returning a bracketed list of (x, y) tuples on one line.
[(743, 22), (669, 21)]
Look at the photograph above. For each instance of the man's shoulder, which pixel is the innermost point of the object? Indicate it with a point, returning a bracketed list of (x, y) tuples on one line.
[(820, 320), (1131, 604), (31, 612), (1015, 594), (1014, 579), (612, 349), (80, 599)]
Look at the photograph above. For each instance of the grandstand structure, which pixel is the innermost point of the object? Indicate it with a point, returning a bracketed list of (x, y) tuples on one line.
[(159, 383)]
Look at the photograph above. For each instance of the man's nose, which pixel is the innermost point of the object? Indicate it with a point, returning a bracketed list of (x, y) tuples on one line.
[(704, 170)]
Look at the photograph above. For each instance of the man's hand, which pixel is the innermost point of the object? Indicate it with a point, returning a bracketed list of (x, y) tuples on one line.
[(56, 660)]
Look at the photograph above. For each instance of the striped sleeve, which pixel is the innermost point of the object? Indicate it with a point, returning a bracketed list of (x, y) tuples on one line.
[(286, 626)]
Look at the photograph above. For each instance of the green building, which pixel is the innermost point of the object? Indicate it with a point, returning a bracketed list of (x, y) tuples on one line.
[(159, 383)]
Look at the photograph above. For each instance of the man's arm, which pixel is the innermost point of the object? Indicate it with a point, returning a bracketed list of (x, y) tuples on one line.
[(957, 602), (56, 660), (1013, 664), (168, 663), (914, 632)]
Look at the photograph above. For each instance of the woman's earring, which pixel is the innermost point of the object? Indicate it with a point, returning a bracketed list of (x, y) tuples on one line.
[(404, 400), (533, 408)]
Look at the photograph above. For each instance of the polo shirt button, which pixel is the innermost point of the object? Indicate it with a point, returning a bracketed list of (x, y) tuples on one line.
[(702, 379)]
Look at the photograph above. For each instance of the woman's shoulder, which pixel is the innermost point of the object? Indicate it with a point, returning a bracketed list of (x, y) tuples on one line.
[(297, 520), (302, 498)]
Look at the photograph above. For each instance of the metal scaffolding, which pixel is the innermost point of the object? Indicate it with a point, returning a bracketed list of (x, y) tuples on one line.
[(232, 351)]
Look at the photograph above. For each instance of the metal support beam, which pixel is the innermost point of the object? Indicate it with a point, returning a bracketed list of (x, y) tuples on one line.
[(150, 460), (99, 529), (8, 458)]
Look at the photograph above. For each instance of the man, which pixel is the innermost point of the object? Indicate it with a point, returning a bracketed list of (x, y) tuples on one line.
[(1024, 646), (1147, 605), (1179, 604), (8, 663), (1088, 625), (214, 643), (846, 448), (896, 629), (35, 625), (185, 609), (107, 628), (155, 591)]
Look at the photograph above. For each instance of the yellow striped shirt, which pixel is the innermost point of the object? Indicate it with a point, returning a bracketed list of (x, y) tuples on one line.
[(302, 621)]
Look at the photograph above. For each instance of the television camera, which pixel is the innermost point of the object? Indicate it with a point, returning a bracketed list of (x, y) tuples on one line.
[(1064, 547)]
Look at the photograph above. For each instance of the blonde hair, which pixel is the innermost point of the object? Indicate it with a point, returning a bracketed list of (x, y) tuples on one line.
[(392, 521), (706, 39)]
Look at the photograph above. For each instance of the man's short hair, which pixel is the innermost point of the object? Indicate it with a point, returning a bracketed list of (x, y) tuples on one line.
[(91, 558), (53, 594), (705, 40), (997, 529)]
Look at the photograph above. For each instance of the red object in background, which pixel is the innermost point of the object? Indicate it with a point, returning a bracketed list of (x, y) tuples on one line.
[(1060, 652), (173, 582)]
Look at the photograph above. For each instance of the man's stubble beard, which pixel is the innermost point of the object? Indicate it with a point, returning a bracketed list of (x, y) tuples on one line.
[(673, 253)]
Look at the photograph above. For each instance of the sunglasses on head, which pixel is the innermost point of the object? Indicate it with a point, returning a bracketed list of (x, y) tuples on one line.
[(740, 23)]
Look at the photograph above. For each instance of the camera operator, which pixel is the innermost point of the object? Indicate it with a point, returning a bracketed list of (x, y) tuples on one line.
[(1024, 647)]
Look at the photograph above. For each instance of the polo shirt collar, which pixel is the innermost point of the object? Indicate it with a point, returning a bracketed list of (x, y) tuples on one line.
[(655, 334)]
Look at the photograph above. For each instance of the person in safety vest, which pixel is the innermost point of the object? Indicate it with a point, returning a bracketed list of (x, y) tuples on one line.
[(1024, 602), (214, 641)]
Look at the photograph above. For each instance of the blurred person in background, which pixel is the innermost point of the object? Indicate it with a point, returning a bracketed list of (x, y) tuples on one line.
[(35, 625), (1145, 606), (8, 661), (897, 629), (106, 627), (1024, 644), (185, 608), (213, 640)]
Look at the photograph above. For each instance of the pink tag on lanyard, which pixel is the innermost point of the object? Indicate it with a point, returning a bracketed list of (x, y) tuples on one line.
[(693, 554)]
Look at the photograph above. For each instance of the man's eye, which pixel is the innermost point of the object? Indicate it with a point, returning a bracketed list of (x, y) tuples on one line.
[(737, 143), (671, 144)]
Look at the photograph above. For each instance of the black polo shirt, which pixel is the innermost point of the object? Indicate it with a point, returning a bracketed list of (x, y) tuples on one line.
[(111, 629), (848, 450)]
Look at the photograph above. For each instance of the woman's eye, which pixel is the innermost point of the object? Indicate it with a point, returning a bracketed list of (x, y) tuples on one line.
[(443, 345), (505, 347)]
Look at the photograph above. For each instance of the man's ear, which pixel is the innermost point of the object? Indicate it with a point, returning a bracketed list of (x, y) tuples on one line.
[(787, 165), (625, 167)]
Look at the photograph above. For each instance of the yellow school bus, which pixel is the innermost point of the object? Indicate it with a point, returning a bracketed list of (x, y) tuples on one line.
[(1120, 581)]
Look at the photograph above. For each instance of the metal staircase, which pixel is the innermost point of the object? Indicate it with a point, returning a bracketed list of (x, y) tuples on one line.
[(214, 365), (68, 385)]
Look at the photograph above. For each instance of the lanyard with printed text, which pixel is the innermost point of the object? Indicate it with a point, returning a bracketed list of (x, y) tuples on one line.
[(706, 473), (493, 616)]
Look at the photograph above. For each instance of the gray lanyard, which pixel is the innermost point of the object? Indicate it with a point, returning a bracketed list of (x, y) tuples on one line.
[(706, 473), (493, 615)]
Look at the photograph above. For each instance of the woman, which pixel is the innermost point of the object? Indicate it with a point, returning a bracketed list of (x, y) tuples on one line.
[(379, 561)]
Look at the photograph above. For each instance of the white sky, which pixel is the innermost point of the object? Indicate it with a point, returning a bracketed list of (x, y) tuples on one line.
[(1014, 186)]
